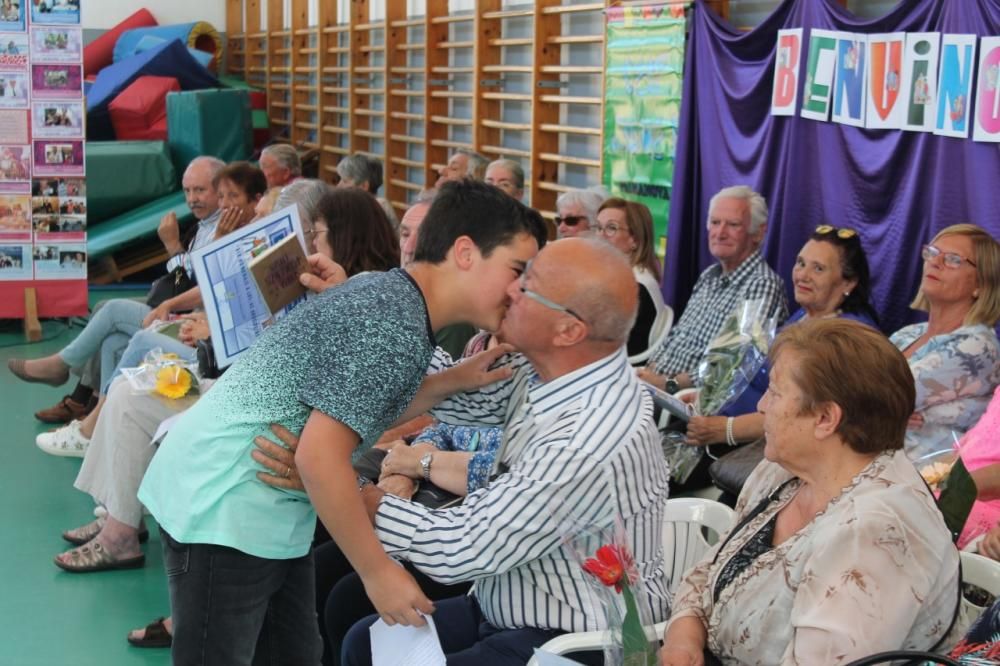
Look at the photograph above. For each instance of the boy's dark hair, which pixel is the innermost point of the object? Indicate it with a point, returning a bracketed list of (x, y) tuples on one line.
[(477, 210), (243, 175), (359, 231)]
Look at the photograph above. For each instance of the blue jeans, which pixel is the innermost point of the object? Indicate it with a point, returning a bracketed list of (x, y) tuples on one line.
[(234, 609), (107, 333), (466, 638), (141, 344)]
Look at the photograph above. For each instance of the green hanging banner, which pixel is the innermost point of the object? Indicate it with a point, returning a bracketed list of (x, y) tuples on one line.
[(642, 105)]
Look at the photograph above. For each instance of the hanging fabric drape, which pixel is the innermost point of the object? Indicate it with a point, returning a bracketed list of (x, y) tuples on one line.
[(896, 188)]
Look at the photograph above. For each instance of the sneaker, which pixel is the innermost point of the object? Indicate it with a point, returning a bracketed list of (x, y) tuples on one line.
[(64, 411), (67, 441)]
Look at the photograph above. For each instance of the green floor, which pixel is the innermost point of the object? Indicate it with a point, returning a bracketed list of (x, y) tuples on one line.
[(49, 617)]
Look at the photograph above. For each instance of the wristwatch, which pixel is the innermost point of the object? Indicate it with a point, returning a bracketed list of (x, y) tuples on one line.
[(671, 386), (425, 465)]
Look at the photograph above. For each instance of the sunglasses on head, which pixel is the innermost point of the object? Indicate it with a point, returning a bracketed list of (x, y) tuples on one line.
[(570, 220), (843, 232)]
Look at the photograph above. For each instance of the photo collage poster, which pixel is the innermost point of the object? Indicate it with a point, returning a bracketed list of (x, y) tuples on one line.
[(43, 193)]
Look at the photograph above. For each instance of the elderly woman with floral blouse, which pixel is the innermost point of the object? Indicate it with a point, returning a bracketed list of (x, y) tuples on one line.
[(954, 355), (839, 550)]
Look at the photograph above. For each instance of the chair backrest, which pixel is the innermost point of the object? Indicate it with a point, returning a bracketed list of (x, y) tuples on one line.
[(981, 572), (684, 541), (657, 334)]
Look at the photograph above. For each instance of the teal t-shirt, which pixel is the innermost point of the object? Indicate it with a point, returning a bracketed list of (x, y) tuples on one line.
[(357, 353)]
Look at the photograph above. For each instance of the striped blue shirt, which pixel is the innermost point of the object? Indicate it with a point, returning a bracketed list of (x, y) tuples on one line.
[(580, 450)]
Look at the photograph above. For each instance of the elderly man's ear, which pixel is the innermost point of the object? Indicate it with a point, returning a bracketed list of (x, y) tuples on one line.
[(569, 332)]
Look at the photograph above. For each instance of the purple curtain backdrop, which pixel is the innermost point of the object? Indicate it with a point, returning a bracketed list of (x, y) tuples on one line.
[(896, 188)]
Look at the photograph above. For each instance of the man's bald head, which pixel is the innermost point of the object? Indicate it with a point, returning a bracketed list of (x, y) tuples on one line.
[(594, 280)]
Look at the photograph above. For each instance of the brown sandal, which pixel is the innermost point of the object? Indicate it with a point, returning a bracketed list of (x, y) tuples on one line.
[(82, 535), (16, 367), (93, 557), (154, 635)]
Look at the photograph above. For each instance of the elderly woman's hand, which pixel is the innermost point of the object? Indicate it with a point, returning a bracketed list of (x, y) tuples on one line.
[(194, 329), (680, 655), (403, 460), (280, 460), (705, 430), (990, 545)]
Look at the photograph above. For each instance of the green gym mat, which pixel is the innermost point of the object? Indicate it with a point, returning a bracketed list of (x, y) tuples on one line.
[(134, 225), (209, 122), (122, 175)]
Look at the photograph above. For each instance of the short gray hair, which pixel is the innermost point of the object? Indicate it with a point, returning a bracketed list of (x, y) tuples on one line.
[(476, 166), (286, 156), (425, 196), (601, 310), (214, 163), (755, 202), (589, 200), (513, 167), (360, 168), (306, 193)]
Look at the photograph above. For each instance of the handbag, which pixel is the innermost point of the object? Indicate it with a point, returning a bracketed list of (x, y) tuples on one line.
[(369, 465), (731, 471), (172, 284)]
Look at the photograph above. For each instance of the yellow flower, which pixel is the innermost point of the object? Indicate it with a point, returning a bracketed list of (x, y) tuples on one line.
[(173, 382)]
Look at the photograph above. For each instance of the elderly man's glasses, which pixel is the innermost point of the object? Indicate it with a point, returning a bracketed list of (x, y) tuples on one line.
[(608, 230), (843, 232), (535, 296), (570, 220), (949, 259)]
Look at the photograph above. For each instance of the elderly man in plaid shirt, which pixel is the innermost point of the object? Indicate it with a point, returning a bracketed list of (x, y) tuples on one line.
[(737, 221)]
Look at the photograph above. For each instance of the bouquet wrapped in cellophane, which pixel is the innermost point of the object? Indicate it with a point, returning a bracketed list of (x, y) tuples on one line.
[(164, 374), (735, 356), (605, 557)]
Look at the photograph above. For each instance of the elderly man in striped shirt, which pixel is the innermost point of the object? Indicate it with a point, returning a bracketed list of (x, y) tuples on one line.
[(580, 447)]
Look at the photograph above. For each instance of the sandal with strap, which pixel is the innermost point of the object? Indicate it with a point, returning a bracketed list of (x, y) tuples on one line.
[(17, 368), (82, 535), (94, 557), (154, 635)]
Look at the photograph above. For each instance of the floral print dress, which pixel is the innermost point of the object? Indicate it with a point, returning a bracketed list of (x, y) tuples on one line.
[(955, 375)]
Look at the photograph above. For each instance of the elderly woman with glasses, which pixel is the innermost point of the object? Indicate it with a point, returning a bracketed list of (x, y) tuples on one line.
[(954, 355), (629, 227), (839, 550)]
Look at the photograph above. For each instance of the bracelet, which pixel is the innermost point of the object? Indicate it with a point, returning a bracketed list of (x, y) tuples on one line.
[(730, 440)]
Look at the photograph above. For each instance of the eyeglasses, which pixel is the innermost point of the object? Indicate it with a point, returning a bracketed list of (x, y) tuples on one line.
[(608, 230), (949, 259), (842, 232), (535, 296), (570, 220)]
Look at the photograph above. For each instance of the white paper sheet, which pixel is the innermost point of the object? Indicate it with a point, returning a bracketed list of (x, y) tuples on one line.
[(413, 646)]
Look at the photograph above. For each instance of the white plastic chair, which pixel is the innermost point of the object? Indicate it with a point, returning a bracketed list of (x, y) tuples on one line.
[(981, 572), (657, 334), (683, 545)]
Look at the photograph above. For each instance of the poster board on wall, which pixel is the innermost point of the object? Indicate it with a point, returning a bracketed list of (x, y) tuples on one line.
[(43, 189), (644, 74)]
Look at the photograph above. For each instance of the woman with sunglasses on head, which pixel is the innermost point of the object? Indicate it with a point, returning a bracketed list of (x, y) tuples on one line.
[(831, 279), (629, 227), (954, 355)]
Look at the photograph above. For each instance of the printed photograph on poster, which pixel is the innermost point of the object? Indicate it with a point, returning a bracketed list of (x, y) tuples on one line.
[(72, 206), (15, 168), (14, 90), (54, 119), (14, 51), (12, 14), (59, 228), (65, 261), (15, 261), (51, 44), (56, 81), (14, 126), (59, 157), (55, 12), (15, 219), (58, 187), (47, 205)]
